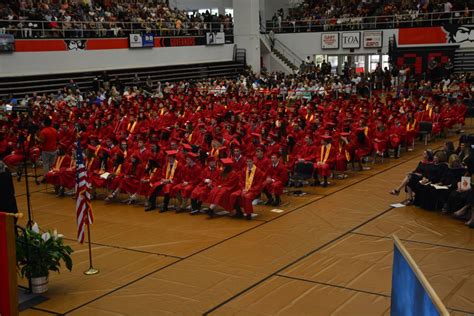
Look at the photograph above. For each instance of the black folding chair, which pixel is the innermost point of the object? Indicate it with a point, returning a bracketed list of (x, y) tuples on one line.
[(425, 130), (303, 171)]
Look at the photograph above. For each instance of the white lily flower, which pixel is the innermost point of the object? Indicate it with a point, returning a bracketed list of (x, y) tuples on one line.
[(55, 234), (46, 236), (35, 228)]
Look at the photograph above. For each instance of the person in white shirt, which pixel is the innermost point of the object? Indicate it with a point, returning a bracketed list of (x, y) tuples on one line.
[(448, 7)]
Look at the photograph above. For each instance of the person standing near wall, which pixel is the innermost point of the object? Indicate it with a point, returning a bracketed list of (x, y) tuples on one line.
[(7, 193), (48, 138)]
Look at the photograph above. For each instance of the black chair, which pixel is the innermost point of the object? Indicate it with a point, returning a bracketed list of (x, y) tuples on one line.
[(303, 171), (425, 130)]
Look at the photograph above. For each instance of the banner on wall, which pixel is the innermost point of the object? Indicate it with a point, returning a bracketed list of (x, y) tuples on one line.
[(373, 39), (148, 40), (350, 40), (330, 40), (135, 41), (215, 38), (450, 34), (53, 45), (7, 43)]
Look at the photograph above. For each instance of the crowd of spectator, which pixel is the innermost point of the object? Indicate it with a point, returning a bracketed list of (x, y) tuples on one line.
[(104, 18), (314, 15)]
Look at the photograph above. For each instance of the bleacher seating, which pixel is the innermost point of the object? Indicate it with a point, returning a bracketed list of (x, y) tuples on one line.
[(20, 86)]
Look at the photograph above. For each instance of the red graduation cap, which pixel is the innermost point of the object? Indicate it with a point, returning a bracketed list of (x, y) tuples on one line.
[(227, 161), (192, 155), (171, 153)]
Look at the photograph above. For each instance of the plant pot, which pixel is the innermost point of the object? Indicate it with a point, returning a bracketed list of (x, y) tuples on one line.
[(39, 285)]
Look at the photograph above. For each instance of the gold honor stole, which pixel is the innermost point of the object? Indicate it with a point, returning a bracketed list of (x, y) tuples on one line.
[(411, 127), (348, 157), (73, 163), (89, 163), (97, 150), (249, 177), (170, 173), (190, 137), (325, 155), (215, 152), (366, 130), (59, 162), (118, 169), (131, 128)]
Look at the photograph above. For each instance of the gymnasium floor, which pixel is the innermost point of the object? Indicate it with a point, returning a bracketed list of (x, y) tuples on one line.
[(329, 252)]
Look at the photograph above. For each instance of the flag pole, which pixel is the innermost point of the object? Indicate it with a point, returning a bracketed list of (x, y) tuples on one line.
[(91, 270)]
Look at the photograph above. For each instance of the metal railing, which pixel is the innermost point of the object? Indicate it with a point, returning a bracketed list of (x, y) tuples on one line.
[(412, 19), (288, 53), (90, 29)]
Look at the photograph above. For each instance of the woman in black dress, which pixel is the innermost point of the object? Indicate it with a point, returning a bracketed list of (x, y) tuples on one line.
[(414, 177), (7, 191), (434, 174)]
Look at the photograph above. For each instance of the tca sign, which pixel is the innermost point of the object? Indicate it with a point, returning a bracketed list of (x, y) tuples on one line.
[(350, 40)]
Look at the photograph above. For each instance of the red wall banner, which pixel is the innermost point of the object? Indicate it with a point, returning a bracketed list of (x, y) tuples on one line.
[(54, 45), (422, 36)]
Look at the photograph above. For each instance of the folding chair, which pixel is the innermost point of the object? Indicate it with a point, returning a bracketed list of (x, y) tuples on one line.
[(425, 130), (303, 171)]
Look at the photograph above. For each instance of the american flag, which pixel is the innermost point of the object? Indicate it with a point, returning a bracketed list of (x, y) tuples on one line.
[(83, 196)]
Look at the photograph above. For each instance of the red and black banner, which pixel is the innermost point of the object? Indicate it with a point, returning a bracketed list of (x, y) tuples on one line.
[(450, 34), (81, 44)]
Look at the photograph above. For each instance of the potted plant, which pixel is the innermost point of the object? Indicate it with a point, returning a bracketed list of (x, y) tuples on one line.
[(37, 254)]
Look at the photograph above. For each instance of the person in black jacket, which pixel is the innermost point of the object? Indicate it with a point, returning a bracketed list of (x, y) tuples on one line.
[(7, 191), (434, 173)]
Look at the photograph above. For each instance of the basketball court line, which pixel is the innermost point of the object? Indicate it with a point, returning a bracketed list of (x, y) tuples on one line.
[(415, 241), (129, 249), (328, 284), (355, 290)]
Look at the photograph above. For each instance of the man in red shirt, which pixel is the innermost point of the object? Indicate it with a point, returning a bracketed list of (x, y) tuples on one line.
[(48, 138)]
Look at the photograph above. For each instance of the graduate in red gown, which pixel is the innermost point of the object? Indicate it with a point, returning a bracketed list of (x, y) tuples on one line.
[(151, 170), (110, 170), (276, 178), (209, 176), (227, 183), (342, 155), (61, 162), (67, 175), (395, 136), (260, 160), (190, 179), (163, 184), (326, 159), (362, 147), (250, 187), (380, 136), (129, 180)]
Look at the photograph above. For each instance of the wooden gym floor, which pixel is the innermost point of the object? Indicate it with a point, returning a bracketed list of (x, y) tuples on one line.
[(329, 252)]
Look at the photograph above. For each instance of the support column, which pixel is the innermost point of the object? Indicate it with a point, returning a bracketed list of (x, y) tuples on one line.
[(246, 30)]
